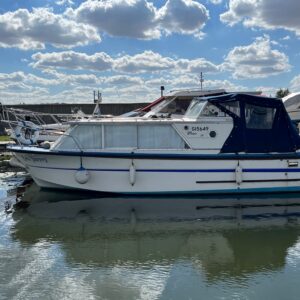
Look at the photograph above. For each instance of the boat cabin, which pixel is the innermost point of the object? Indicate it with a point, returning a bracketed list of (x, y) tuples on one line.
[(231, 123)]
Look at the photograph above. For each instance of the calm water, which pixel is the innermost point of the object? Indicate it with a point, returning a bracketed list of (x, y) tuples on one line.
[(66, 247)]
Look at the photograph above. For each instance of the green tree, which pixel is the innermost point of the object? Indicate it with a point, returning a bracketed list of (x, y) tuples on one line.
[(282, 93)]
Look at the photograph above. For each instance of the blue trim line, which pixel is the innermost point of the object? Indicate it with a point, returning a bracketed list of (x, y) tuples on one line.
[(187, 171), (132, 155), (79, 168), (291, 170)]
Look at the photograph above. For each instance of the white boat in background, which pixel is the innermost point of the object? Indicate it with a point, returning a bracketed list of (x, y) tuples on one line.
[(27, 127), (292, 105), (233, 143)]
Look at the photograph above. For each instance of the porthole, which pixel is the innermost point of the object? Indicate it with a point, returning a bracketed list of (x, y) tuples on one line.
[(212, 134)]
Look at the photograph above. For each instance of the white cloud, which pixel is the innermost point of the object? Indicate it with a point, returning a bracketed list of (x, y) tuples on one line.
[(141, 19), (64, 2), (192, 81), (123, 80), (33, 30), (147, 61), (72, 60), (267, 14), (267, 90), (29, 88), (216, 2), (295, 84), (256, 60), (78, 79), (93, 80), (131, 18), (196, 66), (21, 77), (183, 16), (12, 77)]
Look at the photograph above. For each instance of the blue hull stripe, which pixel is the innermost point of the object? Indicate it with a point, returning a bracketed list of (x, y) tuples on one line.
[(283, 170)]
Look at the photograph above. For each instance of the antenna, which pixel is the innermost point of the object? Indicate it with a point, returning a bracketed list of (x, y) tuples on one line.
[(201, 80), (97, 101), (162, 88), (97, 97)]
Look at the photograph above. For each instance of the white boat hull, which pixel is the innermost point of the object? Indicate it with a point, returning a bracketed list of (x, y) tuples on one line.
[(163, 175)]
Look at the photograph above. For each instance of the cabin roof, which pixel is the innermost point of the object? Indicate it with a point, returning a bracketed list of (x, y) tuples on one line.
[(246, 98)]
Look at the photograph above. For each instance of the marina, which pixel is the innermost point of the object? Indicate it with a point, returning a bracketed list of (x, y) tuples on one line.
[(149, 150), (86, 244)]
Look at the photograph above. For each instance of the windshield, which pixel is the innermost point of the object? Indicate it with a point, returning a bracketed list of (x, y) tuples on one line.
[(195, 109), (174, 106), (156, 108)]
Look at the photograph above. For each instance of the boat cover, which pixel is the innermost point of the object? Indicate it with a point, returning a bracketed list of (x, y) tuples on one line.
[(261, 124)]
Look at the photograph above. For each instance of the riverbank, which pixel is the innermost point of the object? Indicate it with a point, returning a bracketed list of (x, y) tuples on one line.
[(4, 138), (5, 165)]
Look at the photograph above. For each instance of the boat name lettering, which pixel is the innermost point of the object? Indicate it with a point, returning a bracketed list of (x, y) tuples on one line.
[(200, 128), (39, 159), (35, 159)]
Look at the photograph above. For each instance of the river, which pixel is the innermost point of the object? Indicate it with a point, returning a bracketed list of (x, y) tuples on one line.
[(78, 246)]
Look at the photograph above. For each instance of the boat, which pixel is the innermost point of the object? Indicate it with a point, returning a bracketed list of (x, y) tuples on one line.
[(232, 143), (27, 127), (292, 105)]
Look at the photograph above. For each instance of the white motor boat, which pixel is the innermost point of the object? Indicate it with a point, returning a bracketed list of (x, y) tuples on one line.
[(233, 143)]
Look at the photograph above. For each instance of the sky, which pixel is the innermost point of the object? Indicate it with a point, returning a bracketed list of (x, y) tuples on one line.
[(62, 50)]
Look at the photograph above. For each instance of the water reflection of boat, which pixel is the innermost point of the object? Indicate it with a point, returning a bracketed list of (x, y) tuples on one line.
[(154, 255), (213, 248), (53, 204)]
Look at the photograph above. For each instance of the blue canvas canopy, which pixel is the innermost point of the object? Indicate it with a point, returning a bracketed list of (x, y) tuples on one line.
[(261, 124)]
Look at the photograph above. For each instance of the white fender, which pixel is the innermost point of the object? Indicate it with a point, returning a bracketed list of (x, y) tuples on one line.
[(239, 174), (132, 174), (20, 136), (82, 176)]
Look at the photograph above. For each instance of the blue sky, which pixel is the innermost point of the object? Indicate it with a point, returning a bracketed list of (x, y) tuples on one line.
[(62, 50)]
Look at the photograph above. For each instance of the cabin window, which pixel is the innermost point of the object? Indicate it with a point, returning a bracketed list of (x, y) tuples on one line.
[(84, 137), (159, 137), (120, 136), (233, 107), (258, 117), (211, 111), (89, 137), (176, 106), (195, 109), (203, 109)]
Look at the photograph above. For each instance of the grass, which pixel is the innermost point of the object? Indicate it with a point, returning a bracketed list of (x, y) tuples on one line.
[(4, 138), (5, 157)]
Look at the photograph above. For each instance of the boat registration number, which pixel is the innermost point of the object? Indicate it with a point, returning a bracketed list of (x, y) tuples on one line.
[(200, 128)]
